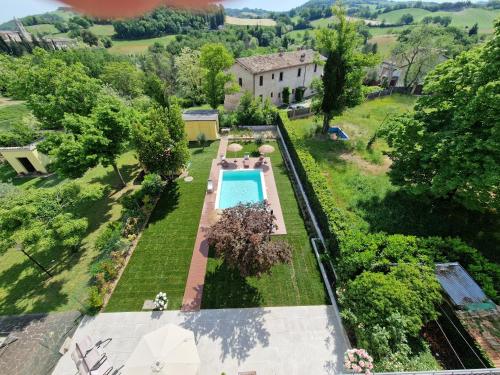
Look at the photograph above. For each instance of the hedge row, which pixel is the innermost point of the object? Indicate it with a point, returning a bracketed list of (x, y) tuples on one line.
[(346, 238)]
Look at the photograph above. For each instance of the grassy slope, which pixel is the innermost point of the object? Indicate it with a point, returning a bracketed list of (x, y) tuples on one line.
[(11, 114), (23, 289), (364, 188), (467, 17), (137, 46), (162, 258), (250, 21), (395, 15), (289, 285), (44, 28)]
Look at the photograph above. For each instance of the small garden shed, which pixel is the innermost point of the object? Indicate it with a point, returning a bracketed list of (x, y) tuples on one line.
[(25, 159), (201, 121)]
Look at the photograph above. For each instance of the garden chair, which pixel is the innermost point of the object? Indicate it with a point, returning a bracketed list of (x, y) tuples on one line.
[(210, 186)]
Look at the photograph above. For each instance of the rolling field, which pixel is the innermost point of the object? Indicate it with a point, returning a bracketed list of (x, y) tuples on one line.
[(385, 44), (250, 21), (135, 47), (467, 17), (103, 30), (394, 16), (42, 29)]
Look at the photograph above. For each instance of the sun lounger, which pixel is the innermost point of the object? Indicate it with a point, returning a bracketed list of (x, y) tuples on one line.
[(210, 186)]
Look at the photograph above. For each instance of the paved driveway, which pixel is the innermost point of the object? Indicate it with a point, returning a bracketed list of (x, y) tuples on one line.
[(279, 340)]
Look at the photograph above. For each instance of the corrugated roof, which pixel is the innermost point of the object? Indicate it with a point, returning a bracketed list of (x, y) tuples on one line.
[(200, 115), (276, 61), (459, 285)]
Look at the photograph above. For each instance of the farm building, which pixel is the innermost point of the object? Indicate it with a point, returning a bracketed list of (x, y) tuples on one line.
[(270, 76), (201, 122), (25, 159)]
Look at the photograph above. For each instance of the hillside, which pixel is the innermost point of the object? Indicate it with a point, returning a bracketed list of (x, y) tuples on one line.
[(464, 18)]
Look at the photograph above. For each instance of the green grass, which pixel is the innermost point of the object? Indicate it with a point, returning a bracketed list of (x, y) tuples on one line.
[(299, 283), (466, 17), (135, 47), (103, 30), (162, 258), (395, 16), (385, 44), (44, 28), (11, 114), (23, 288), (359, 182)]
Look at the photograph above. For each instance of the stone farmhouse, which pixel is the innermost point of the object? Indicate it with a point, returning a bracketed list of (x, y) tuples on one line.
[(267, 76)]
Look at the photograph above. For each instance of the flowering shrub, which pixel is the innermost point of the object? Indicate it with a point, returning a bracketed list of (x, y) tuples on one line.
[(358, 361), (161, 301)]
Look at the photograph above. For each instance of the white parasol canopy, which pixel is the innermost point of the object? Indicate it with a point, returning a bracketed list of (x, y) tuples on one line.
[(266, 149), (169, 350)]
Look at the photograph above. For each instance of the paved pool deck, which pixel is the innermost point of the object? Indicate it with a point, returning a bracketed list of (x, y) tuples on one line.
[(278, 340), (193, 293)]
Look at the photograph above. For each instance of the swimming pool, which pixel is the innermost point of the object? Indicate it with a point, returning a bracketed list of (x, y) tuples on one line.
[(240, 186)]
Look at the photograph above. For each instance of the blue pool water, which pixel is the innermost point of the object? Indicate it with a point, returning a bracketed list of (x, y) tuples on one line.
[(241, 186)]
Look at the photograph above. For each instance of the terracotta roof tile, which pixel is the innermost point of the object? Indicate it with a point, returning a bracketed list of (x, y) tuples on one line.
[(276, 61)]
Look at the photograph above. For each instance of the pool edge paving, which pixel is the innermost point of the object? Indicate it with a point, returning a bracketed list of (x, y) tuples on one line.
[(193, 292)]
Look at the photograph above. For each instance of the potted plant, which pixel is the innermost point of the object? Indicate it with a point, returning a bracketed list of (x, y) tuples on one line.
[(161, 301)]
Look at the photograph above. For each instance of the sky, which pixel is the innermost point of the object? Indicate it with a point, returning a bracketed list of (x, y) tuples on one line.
[(21, 8)]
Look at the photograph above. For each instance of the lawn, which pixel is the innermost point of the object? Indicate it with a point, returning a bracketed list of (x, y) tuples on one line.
[(23, 288), (103, 30), (162, 258), (299, 283), (359, 182), (11, 113), (137, 47)]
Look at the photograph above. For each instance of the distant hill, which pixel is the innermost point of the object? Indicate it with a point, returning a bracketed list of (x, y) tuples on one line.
[(247, 13), (61, 14)]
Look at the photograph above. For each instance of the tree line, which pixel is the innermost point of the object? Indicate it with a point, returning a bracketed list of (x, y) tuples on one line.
[(164, 21)]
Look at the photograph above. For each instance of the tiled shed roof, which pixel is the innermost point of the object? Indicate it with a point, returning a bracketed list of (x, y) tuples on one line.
[(276, 61), (459, 285)]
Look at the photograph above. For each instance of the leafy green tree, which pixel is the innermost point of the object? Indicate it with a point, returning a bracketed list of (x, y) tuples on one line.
[(38, 221), (419, 50), (344, 68), (160, 140), (88, 141), (215, 59), (190, 75), (474, 29), (156, 89), (53, 88), (124, 78), (406, 19), (387, 309), (450, 147), (106, 42), (89, 37)]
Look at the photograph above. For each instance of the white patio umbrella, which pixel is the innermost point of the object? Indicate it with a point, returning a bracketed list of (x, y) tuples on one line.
[(169, 350)]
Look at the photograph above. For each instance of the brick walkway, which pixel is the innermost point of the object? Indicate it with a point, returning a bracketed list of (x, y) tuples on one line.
[(196, 277)]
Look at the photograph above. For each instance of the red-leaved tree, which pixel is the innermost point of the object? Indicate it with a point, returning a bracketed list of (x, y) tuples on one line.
[(242, 238)]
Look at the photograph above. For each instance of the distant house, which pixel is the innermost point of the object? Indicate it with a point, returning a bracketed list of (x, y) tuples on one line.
[(201, 121), (266, 76), (21, 35), (26, 159)]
